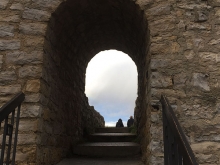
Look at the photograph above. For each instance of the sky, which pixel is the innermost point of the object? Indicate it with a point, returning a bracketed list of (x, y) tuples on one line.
[(111, 85)]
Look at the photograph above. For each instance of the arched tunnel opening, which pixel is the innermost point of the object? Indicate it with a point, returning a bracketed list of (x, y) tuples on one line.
[(77, 31), (111, 86)]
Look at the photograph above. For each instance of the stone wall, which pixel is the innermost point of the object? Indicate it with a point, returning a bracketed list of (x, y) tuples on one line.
[(45, 47)]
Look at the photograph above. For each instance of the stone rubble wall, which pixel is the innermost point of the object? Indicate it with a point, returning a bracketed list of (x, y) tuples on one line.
[(185, 67), (182, 43)]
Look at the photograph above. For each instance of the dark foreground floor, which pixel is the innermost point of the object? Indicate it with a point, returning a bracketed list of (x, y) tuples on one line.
[(101, 161)]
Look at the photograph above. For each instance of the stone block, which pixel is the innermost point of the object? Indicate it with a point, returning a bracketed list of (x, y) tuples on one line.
[(17, 6), (30, 71), (35, 41), (21, 58), (10, 90), (30, 111), (6, 31), (32, 98), (51, 4), (33, 86), (1, 61), (6, 76), (26, 139), (34, 14), (9, 44), (159, 63), (3, 4), (28, 125), (201, 80), (169, 25), (10, 17), (209, 57), (206, 147), (209, 158), (32, 28), (189, 54), (214, 3), (160, 81), (198, 26), (162, 9), (201, 15)]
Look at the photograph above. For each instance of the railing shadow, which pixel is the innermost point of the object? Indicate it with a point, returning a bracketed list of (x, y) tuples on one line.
[(9, 116), (177, 150)]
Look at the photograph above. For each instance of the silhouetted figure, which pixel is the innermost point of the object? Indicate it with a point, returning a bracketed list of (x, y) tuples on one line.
[(130, 121), (119, 123)]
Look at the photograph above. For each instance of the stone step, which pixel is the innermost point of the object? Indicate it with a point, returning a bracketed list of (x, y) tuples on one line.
[(112, 130), (105, 149), (112, 137), (84, 160)]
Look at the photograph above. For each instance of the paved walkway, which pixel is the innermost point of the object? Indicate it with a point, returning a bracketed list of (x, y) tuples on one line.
[(101, 161)]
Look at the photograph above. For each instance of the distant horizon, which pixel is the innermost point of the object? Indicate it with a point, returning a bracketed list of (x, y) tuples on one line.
[(111, 85)]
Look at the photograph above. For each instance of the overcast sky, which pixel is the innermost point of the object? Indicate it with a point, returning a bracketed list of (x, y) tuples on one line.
[(111, 85)]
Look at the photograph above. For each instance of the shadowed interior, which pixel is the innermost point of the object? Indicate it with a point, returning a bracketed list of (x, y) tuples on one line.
[(77, 31)]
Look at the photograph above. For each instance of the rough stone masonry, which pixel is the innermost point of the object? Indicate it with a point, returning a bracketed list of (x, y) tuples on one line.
[(45, 46)]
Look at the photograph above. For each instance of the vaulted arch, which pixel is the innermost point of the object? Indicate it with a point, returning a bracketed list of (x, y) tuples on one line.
[(77, 31)]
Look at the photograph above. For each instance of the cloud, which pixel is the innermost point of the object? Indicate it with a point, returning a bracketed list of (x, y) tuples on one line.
[(111, 85)]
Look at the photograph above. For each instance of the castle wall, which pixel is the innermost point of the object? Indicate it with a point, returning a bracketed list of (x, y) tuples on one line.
[(45, 47)]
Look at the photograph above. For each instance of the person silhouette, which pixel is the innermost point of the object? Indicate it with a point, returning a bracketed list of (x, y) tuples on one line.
[(130, 121), (119, 123)]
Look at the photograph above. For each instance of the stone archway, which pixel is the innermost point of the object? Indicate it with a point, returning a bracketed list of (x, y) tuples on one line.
[(77, 31)]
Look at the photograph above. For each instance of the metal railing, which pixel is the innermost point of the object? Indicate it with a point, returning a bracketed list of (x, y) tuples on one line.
[(177, 150), (9, 116)]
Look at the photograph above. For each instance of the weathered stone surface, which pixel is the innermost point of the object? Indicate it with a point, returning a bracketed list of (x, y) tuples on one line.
[(159, 63), (208, 158), (3, 4), (26, 139), (206, 147), (28, 125), (209, 57), (17, 6), (162, 9), (32, 98), (160, 81), (168, 25), (32, 28), (51, 4), (189, 54), (26, 154), (35, 14), (1, 61), (9, 44), (21, 58), (33, 86), (6, 30), (30, 111), (34, 41), (197, 26), (10, 90), (177, 39), (30, 71), (9, 18), (201, 15), (6, 76), (201, 80)]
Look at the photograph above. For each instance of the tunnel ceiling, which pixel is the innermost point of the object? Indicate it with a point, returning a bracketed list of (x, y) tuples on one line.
[(90, 26)]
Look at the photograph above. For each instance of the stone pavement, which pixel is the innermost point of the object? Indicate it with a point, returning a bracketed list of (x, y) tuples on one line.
[(101, 161)]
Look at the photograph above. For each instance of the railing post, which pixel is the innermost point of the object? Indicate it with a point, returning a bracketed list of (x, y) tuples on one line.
[(7, 114), (177, 150), (16, 133)]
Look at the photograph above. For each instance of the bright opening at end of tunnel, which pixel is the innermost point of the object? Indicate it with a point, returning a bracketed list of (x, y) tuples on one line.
[(111, 85)]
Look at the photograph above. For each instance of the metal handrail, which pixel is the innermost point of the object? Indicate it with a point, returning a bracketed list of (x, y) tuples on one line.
[(10, 114), (177, 150)]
